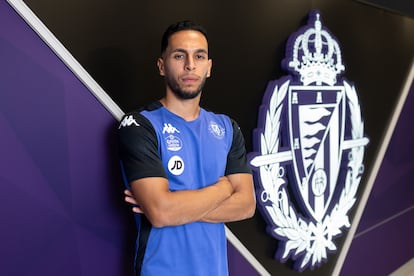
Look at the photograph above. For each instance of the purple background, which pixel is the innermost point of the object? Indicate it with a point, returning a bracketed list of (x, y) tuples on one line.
[(61, 202), (384, 240), (60, 189)]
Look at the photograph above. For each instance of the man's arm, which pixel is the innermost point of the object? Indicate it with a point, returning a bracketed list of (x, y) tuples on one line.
[(163, 207), (240, 205)]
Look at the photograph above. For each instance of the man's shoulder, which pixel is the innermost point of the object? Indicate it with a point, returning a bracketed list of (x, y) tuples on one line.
[(151, 107), (212, 114), (137, 116), (223, 117)]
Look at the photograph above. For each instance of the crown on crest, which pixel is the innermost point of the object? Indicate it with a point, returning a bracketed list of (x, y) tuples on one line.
[(316, 56)]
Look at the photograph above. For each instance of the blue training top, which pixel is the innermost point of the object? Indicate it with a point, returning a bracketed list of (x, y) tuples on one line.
[(157, 143)]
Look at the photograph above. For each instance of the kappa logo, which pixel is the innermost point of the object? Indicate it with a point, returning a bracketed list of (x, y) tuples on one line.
[(168, 128), (128, 121), (310, 138)]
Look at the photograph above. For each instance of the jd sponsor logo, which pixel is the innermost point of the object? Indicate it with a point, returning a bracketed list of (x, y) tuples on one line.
[(176, 165)]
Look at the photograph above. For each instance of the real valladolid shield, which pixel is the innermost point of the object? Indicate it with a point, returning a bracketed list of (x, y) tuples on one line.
[(309, 148)]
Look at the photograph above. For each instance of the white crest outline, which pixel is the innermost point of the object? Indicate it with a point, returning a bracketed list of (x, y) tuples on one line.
[(307, 242)]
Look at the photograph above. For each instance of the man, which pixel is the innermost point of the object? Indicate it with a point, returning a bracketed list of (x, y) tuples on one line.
[(186, 167)]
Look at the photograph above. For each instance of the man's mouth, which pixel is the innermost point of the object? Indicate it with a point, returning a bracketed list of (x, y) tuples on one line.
[(189, 79)]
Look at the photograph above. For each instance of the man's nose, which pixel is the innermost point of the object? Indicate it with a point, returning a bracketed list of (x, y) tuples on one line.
[(189, 65)]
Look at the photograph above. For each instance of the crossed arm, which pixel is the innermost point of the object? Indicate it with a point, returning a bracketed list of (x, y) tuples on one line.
[(231, 198)]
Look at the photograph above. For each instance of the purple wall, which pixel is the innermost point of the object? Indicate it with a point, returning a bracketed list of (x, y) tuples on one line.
[(384, 239), (61, 199)]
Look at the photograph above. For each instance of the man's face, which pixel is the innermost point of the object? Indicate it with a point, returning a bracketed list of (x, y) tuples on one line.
[(185, 64)]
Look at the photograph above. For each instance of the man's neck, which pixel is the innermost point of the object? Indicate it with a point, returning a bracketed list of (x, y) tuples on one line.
[(188, 109)]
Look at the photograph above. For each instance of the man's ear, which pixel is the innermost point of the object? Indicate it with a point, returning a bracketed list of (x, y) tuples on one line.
[(210, 61), (160, 65)]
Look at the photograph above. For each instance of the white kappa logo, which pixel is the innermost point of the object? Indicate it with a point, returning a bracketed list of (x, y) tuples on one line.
[(128, 121), (169, 129)]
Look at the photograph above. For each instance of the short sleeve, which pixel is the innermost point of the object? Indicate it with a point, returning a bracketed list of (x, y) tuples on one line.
[(138, 148), (236, 159)]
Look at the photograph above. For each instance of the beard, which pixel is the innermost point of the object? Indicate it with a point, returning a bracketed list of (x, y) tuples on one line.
[(182, 93)]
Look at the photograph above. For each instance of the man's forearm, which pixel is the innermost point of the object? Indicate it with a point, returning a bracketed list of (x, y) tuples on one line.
[(235, 208), (166, 208), (240, 205)]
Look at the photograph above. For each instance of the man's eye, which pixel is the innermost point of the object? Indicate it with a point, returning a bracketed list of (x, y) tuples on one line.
[(178, 56), (200, 57)]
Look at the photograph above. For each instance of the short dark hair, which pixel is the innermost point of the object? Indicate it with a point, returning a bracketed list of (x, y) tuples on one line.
[(180, 26)]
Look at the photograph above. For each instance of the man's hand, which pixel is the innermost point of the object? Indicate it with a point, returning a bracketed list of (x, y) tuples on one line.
[(129, 198)]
